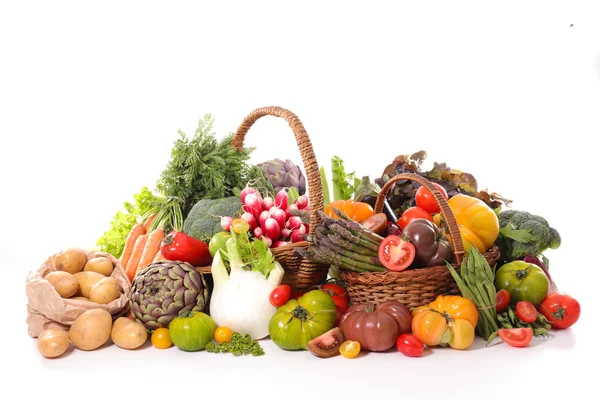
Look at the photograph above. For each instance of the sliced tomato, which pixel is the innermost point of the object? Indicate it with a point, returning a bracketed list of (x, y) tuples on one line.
[(395, 254), (502, 300), (516, 337), (526, 311)]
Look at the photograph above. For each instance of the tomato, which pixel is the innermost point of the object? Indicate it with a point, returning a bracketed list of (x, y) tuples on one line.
[(516, 337), (477, 222), (561, 310), (377, 223), (426, 201), (217, 242), (191, 331), (502, 300), (350, 348), (280, 295), (223, 335), (160, 338), (240, 226), (299, 321), (409, 345), (523, 281), (178, 246), (413, 213), (355, 210), (526, 312), (338, 293), (395, 254)]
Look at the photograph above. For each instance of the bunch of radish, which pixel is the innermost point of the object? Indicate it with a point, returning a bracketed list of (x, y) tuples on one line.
[(271, 219)]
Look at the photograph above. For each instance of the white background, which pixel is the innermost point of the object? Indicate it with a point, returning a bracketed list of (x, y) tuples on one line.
[(92, 96)]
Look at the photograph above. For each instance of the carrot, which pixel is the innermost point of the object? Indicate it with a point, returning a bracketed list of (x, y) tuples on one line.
[(148, 222), (135, 232), (136, 255), (151, 247), (158, 257)]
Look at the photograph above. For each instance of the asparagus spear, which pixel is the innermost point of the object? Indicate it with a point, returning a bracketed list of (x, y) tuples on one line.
[(342, 260), (326, 243)]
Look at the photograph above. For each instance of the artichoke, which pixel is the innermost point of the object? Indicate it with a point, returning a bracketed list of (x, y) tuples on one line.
[(163, 290), (282, 174)]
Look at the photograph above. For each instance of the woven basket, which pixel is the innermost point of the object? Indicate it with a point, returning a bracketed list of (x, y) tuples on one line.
[(300, 273), (412, 287)]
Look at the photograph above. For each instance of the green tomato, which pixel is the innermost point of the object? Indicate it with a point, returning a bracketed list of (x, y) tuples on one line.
[(524, 281), (299, 321), (217, 242), (191, 331)]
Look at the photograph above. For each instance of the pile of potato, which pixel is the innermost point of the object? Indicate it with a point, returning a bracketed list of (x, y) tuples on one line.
[(76, 277)]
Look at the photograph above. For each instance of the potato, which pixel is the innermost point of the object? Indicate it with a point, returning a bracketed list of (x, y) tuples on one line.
[(91, 329), (86, 280), (101, 265), (128, 334), (71, 261), (105, 291), (80, 298), (65, 284), (53, 342)]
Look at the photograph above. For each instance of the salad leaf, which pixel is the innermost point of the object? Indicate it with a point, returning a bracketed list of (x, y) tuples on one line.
[(343, 183)]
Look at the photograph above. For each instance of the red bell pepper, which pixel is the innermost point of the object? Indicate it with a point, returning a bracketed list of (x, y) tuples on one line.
[(178, 246)]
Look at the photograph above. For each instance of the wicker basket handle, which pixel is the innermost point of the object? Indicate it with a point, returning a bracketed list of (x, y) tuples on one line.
[(445, 209), (313, 177)]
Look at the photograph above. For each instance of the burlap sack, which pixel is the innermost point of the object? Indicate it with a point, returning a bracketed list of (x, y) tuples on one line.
[(46, 309)]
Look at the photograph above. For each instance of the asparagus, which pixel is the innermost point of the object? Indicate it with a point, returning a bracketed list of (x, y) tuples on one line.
[(340, 259), (353, 226), (349, 236), (337, 239), (325, 242)]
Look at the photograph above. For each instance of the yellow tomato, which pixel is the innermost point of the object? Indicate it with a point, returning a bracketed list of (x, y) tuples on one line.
[(463, 334), (160, 338), (457, 307), (350, 348), (429, 327), (223, 334), (355, 210), (477, 222)]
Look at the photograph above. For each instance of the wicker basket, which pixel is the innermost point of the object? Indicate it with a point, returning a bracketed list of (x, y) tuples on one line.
[(300, 273), (412, 287)]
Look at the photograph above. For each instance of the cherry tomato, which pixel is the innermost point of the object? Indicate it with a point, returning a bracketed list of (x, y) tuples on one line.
[(409, 345), (280, 295), (502, 300), (240, 226), (426, 201), (223, 334), (561, 310), (516, 337), (395, 254), (160, 338), (350, 348), (413, 213), (526, 311)]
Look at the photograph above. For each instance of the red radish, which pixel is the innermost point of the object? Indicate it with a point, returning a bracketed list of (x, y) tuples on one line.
[(250, 219), (268, 241), (279, 216), (262, 218), (258, 232), (279, 243), (291, 207), (226, 222), (302, 202), (253, 204), (267, 203), (247, 190), (307, 227), (293, 223), (272, 229), (281, 199), (285, 233), (297, 236)]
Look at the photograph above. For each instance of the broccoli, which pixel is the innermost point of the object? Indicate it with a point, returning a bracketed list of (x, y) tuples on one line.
[(204, 219), (522, 233)]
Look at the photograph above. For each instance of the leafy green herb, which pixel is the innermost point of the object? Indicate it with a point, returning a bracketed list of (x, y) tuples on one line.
[(238, 346), (253, 254), (343, 183), (518, 235)]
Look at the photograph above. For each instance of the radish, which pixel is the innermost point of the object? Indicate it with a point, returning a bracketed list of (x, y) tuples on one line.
[(293, 223), (247, 190), (279, 243), (268, 241), (226, 222), (301, 202), (297, 236), (279, 216), (253, 204), (267, 203), (285, 233), (250, 219), (307, 227), (258, 232), (272, 229), (291, 207), (281, 200), (262, 218)]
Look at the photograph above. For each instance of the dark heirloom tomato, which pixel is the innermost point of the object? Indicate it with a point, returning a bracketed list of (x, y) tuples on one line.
[(431, 246), (376, 328)]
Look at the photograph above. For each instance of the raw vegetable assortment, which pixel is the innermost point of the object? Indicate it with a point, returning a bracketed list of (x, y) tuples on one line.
[(213, 210)]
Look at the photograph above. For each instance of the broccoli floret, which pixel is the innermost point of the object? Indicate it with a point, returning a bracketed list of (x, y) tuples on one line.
[(204, 219), (523, 233)]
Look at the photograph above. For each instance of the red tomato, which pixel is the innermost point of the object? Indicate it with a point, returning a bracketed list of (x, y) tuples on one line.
[(413, 213), (502, 300), (395, 254), (339, 294), (409, 345), (280, 295), (526, 311), (516, 337), (426, 201), (178, 246), (561, 310)]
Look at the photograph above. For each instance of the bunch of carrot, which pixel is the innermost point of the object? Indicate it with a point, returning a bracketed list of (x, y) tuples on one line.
[(141, 248)]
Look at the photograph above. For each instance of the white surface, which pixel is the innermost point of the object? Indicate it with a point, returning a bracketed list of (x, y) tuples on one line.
[(92, 96)]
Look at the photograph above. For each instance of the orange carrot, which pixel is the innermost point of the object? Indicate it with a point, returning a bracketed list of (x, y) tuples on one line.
[(136, 255), (135, 232), (158, 257), (148, 222), (151, 247)]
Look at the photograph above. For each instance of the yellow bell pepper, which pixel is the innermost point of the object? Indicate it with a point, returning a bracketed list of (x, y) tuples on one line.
[(477, 222)]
